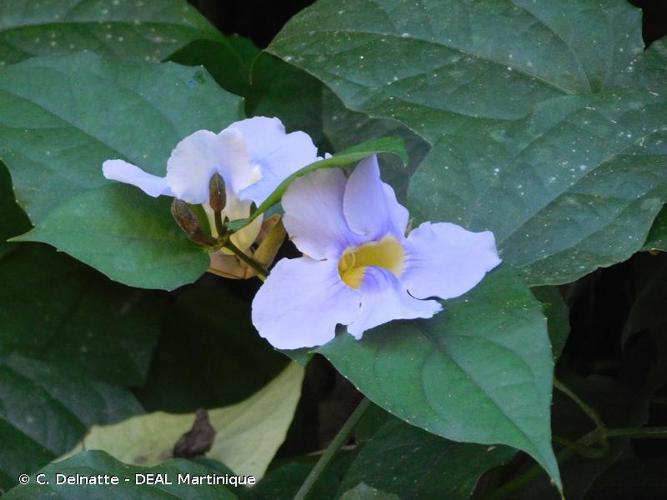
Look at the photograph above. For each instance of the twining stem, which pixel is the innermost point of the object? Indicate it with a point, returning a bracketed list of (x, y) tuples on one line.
[(600, 427), (338, 441), (582, 446), (567, 453), (590, 412), (261, 272), (532, 473)]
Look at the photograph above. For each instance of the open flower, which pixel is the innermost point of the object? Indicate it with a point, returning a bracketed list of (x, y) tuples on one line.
[(359, 268), (252, 156)]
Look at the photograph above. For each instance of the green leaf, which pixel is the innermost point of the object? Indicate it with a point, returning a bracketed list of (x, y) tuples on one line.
[(345, 128), (61, 117), (137, 30), (280, 89), (45, 408), (487, 354), (412, 463), (12, 219), (69, 340), (392, 145), (248, 434), (54, 309), (547, 129), (93, 463), (229, 61), (207, 335), (126, 235)]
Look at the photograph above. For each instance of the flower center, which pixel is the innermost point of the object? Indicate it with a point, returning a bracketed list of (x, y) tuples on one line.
[(387, 253)]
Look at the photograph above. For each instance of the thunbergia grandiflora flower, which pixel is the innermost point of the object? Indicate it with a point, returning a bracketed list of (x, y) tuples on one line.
[(359, 268), (251, 157)]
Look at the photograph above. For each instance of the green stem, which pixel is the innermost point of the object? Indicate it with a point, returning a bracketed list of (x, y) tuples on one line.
[(338, 441), (261, 272), (639, 432), (219, 225), (580, 449), (585, 441), (592, 414)]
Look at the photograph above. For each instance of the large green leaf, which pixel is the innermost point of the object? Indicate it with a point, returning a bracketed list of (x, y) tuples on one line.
[(344, 128), (138, 30), (247, 434), (132, 480), (54, 309), (280, 89), (125, 234), (61, 117), (480, 371), (45, 409), (412, 463), (547, 128)]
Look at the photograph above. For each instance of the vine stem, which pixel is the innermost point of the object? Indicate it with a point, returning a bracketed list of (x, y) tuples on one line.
[(339, 440), (567, 453), (639, 432), (536, 470), (590, 412)]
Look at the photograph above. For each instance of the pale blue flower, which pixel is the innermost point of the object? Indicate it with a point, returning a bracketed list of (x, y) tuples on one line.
[(253, 156), (359, 268)]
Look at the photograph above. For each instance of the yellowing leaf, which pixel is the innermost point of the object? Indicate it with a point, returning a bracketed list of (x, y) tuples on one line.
[(248, 433)]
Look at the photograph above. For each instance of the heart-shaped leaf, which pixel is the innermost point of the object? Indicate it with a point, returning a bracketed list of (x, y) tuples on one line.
[(61, 117), (480, 371), (546, 128)]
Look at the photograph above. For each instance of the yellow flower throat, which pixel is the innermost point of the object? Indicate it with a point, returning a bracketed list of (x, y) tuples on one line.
[(387, 253)]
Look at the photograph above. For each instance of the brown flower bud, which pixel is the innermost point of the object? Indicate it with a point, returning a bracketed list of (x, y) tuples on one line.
[(216, 193), (187, 220)]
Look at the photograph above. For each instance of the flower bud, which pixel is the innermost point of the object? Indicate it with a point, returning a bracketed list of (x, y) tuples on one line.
[(187, 220), (216, 193)]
